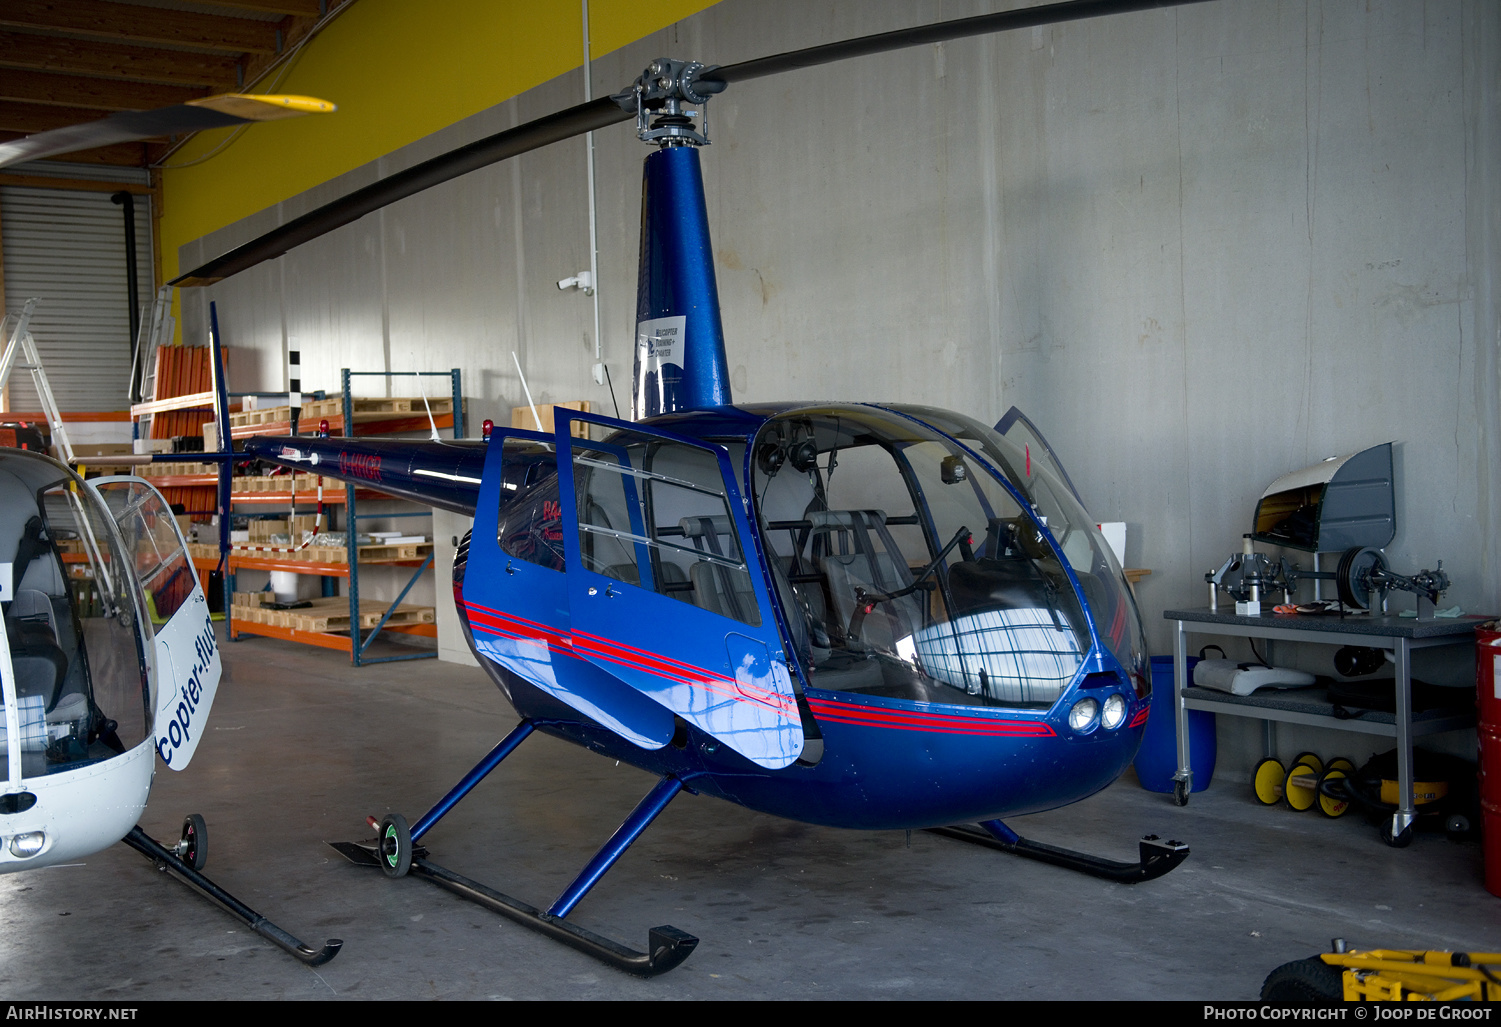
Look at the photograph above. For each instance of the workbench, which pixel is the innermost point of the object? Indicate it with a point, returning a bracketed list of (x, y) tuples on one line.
[(1400, 635)]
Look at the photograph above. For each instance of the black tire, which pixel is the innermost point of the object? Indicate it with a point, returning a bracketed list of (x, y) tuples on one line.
[(1400, 841), (193, 849), (1305, 982), (393, 845), (1309, 759), (1180, 793), (1353, 565)]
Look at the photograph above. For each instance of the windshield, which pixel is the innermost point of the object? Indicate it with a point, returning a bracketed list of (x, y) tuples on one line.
[(1110, 600), (73, 626), (907, 569)]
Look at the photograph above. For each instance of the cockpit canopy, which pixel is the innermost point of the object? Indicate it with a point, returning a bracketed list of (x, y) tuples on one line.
[(76, 636), (915, 568)]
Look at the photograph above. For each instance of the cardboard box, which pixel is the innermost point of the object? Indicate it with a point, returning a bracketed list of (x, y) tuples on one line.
[(521, 417)]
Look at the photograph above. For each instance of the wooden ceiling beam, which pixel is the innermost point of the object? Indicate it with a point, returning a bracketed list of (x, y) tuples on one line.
[(293, 30), (117, 60), (84, 185), (110, 94), (134, 23), (305, 8)]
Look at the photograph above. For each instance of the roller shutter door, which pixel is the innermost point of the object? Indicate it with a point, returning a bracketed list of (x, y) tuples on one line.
[(68, 248)]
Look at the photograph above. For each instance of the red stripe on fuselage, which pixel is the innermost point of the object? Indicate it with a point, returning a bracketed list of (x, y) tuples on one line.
[(667, 667), (884, 717), (580, 643)]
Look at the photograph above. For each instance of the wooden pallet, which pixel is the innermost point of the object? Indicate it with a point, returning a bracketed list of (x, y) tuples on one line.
[(332, 614), (175, 469), (263, 415), (377, 553), (339, 554), (256, 483), (375, 409)]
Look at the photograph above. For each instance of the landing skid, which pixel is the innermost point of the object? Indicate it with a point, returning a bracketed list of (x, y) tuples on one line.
[(1157, 857), (668, 946), (396, 852), (167, 859)]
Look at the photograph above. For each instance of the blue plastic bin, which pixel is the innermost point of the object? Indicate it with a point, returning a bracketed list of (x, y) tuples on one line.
[(1157, 760)]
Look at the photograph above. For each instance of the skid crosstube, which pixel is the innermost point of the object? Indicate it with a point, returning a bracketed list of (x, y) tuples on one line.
[(1157, 857), (668, 945), (166, 859)]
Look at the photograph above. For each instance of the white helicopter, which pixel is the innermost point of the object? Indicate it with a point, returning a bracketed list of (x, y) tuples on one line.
[(108, 657), (94, 684), (108, 661)]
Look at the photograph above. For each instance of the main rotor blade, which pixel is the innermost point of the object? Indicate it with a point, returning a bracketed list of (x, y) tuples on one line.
[(130, 126), (603, 112), (884, 42), (574, 121)]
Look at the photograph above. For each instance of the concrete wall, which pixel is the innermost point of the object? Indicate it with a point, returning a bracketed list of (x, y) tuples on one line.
[(1201, 247)]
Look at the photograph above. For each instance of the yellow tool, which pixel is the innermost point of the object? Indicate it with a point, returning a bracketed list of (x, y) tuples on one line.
[(1386, 975)]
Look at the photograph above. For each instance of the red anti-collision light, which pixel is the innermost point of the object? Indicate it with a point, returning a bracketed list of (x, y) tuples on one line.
[(487, 428), (323, 428)]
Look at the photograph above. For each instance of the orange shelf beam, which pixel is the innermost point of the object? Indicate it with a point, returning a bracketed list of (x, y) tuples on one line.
[(325, 640)]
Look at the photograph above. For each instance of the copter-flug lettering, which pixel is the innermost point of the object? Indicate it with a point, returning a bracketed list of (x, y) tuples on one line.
[(175, 734)]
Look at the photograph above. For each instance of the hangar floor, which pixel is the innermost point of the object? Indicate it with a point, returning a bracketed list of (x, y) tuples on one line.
[(301, 748)]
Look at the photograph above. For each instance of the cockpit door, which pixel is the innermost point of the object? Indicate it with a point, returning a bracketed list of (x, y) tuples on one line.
[(666, 590), (1019, 429), (515, 592), (187, 652)]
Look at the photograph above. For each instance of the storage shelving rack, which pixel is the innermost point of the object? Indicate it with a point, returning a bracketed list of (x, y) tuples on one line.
[(347, 422), (353, 517)]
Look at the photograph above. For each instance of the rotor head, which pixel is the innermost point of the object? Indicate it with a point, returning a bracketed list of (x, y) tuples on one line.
[(660, 99)]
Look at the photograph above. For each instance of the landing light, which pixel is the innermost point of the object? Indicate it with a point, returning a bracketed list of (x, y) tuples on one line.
[(1081, 717), (1114, 712), (24, 846)]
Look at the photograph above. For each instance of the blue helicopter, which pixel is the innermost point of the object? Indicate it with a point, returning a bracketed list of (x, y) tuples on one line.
[(859, 615)]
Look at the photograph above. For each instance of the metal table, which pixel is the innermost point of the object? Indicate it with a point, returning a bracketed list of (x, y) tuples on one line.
[(1401, 635)]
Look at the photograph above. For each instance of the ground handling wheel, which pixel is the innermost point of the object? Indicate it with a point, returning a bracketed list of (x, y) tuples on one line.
[(1268, 780), (193, 849), (393, 844), (1309, 759), (1301, 786), (1333, 799)]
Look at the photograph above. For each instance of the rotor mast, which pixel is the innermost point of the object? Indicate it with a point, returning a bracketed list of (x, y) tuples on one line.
[(680, 361)]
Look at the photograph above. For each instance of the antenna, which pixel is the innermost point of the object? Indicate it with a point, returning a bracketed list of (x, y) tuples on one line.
[(529, 401), (425, 403)]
